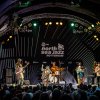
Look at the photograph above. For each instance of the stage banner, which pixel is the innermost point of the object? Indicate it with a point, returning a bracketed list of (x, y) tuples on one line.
[(52, 50)]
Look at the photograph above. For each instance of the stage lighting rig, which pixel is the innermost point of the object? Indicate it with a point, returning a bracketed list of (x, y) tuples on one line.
[(98, 26), (24, 3)]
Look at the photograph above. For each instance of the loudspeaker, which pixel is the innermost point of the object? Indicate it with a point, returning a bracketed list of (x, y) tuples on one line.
[(8, 79), (9, 72), (8, 75), (26, 82)]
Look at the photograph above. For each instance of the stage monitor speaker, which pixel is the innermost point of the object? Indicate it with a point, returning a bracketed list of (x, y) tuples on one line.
[(26, 82), (9, 72)]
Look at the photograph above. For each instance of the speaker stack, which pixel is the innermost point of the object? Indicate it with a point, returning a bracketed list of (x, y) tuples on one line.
[(8, 76)]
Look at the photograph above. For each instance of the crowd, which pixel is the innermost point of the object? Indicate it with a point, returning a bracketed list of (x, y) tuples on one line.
[(83, 92)]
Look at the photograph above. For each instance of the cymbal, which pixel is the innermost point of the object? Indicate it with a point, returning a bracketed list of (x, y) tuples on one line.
[(53, 69), (61, 69), (57, 69)]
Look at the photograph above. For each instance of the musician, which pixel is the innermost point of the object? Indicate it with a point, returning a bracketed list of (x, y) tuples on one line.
[(45, 75), (56, 73), (80, 73), (54, 68), (19, 72), (94, 73), (97, 71)]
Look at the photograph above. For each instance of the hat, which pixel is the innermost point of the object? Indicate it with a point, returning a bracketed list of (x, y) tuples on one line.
[(19, 59)]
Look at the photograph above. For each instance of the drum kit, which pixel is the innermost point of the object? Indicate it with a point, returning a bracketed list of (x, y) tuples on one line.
[(55, 76)]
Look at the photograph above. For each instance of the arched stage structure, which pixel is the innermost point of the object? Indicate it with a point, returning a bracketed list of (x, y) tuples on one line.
[(44, 32)]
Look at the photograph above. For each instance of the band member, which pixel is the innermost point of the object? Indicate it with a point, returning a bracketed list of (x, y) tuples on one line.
[(80, 73), (56, 73), (19, 70), (45, 75), (97, 71), (54, 68), (94, 73), (94, 67)]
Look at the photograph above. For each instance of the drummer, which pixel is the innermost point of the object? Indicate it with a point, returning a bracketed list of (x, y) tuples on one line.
[(54, 68)]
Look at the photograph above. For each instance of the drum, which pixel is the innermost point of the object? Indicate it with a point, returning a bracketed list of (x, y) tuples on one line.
[(57, 72), (52, 79)]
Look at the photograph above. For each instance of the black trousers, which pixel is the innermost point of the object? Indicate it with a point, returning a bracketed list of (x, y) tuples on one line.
[(98, 80)]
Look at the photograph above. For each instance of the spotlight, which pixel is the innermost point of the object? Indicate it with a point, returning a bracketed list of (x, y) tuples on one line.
[(20, 24), (97, 39), (85, 30), (57, 23), (98, 23), (89, 28), (61, 23), (25, 27), (92, 25), (95, 36), (30, 24), (72, 24), (35, 24), (76, 25), (81, 27), (50, 23), (46, 23), (10, 37), (98, 28), (7, 39)]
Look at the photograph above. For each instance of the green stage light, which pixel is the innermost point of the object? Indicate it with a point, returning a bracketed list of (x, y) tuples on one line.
[(24, 3), (34, 24), (92, 25), (72, 24)]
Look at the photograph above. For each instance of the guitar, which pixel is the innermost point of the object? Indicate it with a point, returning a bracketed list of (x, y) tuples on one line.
[(21, 69)]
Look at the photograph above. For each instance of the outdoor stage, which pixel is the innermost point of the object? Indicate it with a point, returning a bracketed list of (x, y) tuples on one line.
[(67, 79)]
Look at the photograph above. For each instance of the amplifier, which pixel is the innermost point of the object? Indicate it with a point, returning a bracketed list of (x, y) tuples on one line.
[(26, 82)]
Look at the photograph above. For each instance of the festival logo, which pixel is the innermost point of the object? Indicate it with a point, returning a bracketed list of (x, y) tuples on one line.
[(52, 50)]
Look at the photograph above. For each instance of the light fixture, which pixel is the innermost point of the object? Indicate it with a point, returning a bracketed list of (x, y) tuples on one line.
[(7, 39), (30, 24), (46, 23), (10, 37), (57, 23), (61, 23), (95, 36), (72, 24), (98, 23), (92, 25), (89, 28), (35, 24), (50, 23), (97, 39)]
